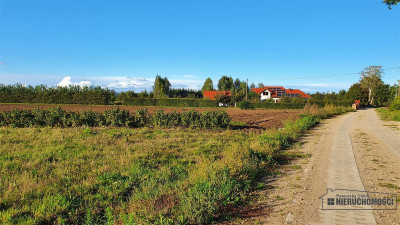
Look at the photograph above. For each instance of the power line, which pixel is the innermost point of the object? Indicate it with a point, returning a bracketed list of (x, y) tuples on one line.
[(336, 75)]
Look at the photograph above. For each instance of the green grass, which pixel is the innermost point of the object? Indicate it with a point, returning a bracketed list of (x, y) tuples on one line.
[(386, 114), (56, 175), (389, 185), (126, 176)]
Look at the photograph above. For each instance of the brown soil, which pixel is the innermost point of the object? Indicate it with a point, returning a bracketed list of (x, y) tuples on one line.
[(256, 120)]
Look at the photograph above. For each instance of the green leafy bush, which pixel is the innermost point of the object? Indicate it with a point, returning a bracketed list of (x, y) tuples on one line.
[(213, 119), (171, 102), (142, 118), (117, 117), (56, 117), (245, 105), (190, 119), (395, 105)]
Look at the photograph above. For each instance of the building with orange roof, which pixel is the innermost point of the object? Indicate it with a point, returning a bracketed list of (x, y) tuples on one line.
[(277, 92), (211, 94)]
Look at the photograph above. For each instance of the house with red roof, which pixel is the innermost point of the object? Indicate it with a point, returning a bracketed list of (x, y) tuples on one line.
[(277, 92), (211, 94)]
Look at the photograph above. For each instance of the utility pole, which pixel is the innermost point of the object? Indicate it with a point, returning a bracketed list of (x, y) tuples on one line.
[(398, 90), (247, 87)]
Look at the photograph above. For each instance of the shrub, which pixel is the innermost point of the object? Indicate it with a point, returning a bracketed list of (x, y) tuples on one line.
[(19, 118), (245, 105), (56, 117), (395, 105), (87, 118), (269, 105), (213, 119), (142, 118), (171, 102), (117, 117), (159, 119), (190, 119)]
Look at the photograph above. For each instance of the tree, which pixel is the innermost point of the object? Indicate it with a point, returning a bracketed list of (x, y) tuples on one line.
[(260, 85), (357, 92), (394, 90), (341, 95), (370, 79), (240, 94), (161, 87), (225, 83), (208, 85), (222, 98), (317, 96), (390, 3), (236, 84), (382, 94), (252, 85), (254, 97)]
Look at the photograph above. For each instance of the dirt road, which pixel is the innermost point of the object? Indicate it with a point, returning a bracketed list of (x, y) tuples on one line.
[(355, 151)]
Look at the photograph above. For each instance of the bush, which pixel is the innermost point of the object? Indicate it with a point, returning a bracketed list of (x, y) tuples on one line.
[(171, 102), (142, 118), (213, 119), (395, 105), (245, 105), (117, 117), (56, 117), (190, 119), (269, 105)]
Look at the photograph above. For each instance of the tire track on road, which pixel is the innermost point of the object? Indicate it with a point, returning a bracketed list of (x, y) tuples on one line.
[(343, 174)]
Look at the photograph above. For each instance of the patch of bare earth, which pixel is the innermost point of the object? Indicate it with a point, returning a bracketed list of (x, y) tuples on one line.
[(379, 168), (257, 120)]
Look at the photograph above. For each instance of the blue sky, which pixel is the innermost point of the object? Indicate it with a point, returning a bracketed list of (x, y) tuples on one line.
[(124, 44)]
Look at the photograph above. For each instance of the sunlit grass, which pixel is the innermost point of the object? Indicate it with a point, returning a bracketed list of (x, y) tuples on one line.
[(142, 175), (386, 114)]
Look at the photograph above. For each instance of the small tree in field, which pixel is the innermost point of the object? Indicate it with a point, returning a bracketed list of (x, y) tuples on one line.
[(222, 98)]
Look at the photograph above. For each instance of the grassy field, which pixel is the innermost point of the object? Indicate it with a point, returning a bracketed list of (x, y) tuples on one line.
[(386, 114), (82, 175), (136, 176)]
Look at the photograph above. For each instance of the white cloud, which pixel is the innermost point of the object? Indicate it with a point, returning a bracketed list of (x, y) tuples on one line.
[(2, 63), (188, 84), (128, 82), (145, 83), (189, 76), (66, 81)]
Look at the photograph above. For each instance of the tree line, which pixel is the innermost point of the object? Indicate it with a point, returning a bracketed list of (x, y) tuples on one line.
[(370, 90), (19, 93)]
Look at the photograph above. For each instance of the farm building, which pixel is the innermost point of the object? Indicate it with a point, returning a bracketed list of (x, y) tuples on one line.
[(211, 94), (277, 92)]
